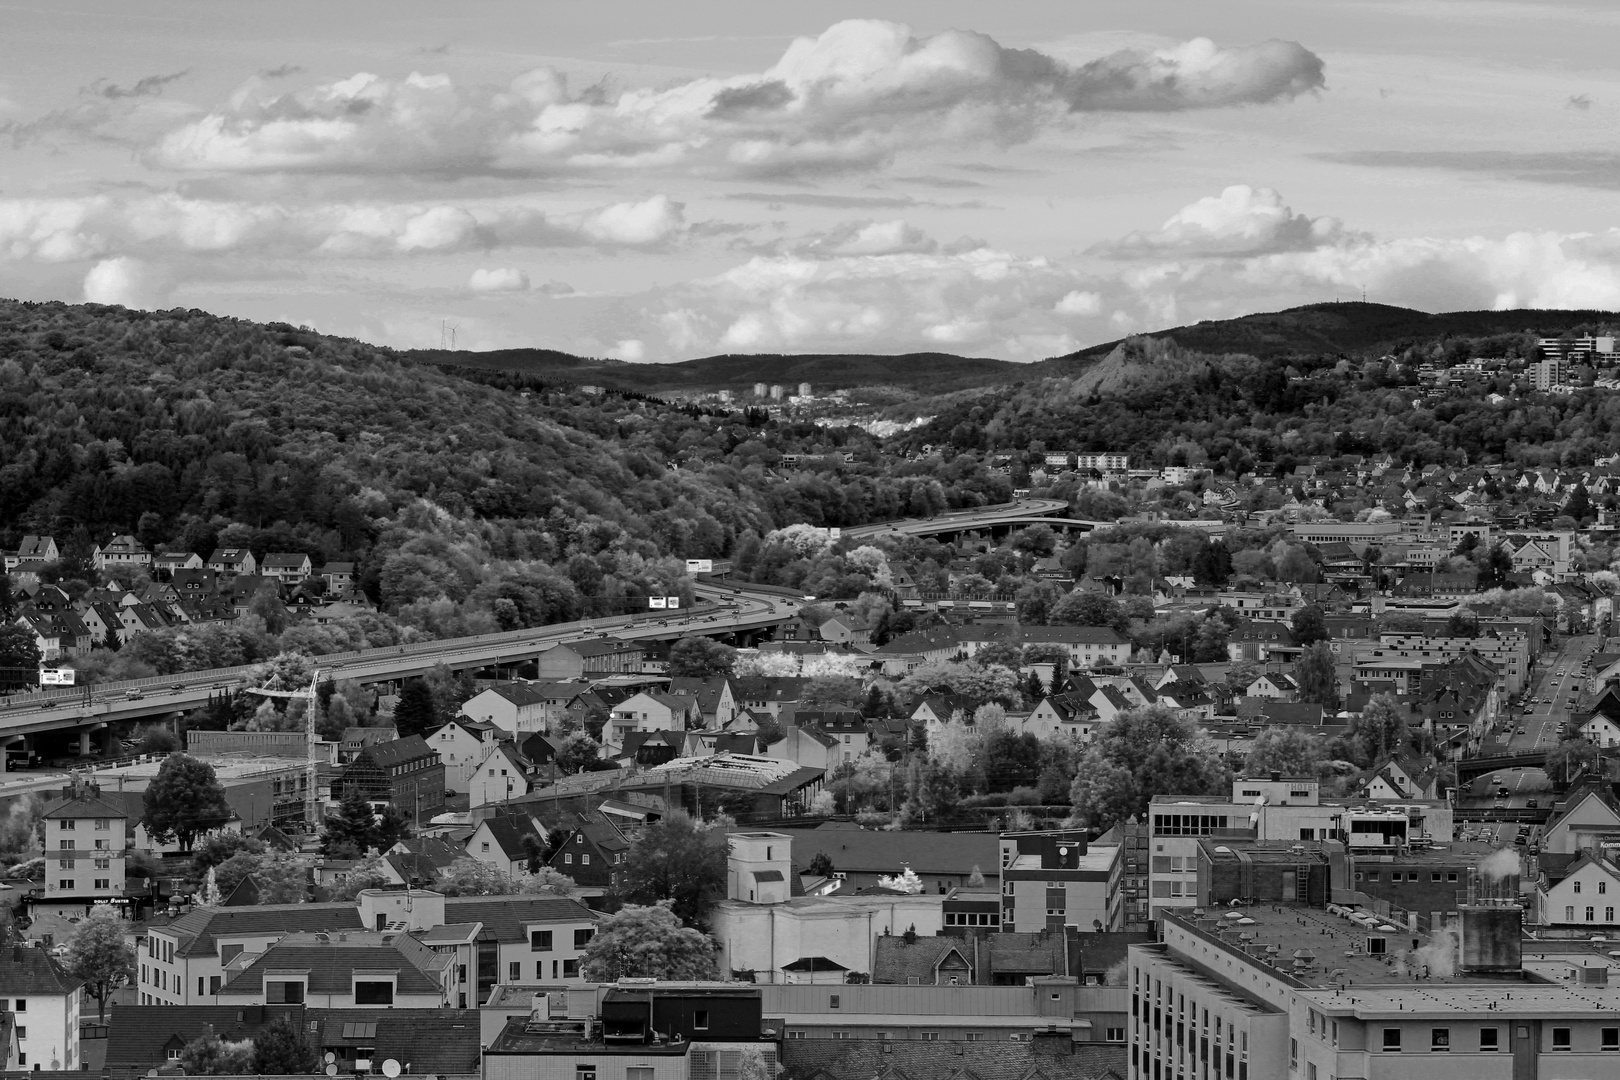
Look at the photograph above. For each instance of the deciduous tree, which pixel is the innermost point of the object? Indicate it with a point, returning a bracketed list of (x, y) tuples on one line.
[(1140, 753), (98, 954), (1289, 751), (701, 658), (648, 941), (1314, 672), (678, 860), (184, 801)]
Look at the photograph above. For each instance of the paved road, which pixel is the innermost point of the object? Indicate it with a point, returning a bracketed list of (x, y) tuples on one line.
[(1548, 701), (724, 608)]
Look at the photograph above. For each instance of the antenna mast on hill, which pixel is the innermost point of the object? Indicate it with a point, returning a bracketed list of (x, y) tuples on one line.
[(447, 332), (312, 818)]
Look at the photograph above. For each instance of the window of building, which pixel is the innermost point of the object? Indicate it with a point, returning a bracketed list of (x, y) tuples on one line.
[(514, 971), (638, 1072), (1569, 914), (1589, 914), (1440, 1040), (930, 1036), (1576, 889), (583, 937), (283, 993), (1392, 1040), (1114, 1034), (539, 940), (584, 859), (1560, 1038), (1376, 946), (103, 883), (66, 884), (584, 1072), (1611, 1039), (1487, 1041), (173, 1053)]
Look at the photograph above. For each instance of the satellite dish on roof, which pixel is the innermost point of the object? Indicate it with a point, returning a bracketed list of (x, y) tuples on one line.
[(330, 1057), (390, 1068), (331, 1070)]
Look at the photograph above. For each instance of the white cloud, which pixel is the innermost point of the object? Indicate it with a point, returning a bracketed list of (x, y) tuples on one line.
[(1080, 303), (1240, 220), (630, 349), (847, 99), (126, 281), (502, 279), (989, 302), (866, 238), (58, 230)]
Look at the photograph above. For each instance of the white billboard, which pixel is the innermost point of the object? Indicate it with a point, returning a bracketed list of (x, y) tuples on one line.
[(56, 676), (835, 533), (700, 566), (674, 601), (657, 602)]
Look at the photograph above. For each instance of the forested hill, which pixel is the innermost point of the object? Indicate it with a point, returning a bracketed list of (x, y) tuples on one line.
[(482, 492), (932, 372), (1350, 329), (1167, 404)]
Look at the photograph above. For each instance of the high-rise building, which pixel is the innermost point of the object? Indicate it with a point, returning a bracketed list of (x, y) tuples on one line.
[(804, 389), (1550, 373), (777, 391), (760, 389), (85, 840)]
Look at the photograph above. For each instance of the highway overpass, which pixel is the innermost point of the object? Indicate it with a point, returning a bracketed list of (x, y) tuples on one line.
[(725, 609), (1005, 517)]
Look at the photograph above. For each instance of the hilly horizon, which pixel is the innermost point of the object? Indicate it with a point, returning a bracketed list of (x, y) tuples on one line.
[(1340, 328)]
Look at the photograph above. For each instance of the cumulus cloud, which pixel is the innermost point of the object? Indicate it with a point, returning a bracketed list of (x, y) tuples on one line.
[(1241, 220), (969, 301), (1078, 302), (57, 230), (1218, 258), (500, 279), (129, 282), (848, 99), (866, 238)]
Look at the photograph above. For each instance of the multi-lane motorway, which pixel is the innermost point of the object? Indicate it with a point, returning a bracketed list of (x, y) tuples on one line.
[(724, 608)]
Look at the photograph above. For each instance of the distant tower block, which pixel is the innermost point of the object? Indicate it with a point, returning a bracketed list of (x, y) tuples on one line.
[(777, 390), (804, 389), (759, 389)]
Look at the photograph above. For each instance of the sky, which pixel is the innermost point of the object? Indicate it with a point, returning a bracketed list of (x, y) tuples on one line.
[(656, 182)]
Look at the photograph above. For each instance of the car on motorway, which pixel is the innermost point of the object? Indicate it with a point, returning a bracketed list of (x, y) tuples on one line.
[(1520, 731), (178, 686), (133, 695), (1519, 839)]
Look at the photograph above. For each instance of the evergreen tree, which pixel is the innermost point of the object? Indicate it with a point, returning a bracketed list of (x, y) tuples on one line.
[(415, 713), (283, 1049), (392, 827), (352, 831)]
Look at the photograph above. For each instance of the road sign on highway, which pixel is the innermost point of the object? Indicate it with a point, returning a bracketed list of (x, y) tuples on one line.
[(56, 676), (700, 566), (674, 601), (658, 601)]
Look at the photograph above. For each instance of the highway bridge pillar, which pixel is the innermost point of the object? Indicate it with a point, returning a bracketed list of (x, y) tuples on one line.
[(84, 742)]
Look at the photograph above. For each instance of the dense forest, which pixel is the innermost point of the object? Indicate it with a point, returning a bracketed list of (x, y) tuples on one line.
[(1166, 404), (452, 488)]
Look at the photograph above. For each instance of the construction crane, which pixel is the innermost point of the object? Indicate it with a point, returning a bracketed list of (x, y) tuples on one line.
[(312, 806)]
